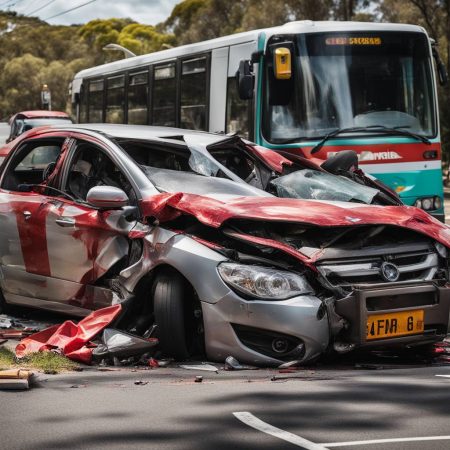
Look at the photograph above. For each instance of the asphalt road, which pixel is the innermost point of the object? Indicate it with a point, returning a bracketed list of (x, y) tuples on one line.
[(91, 410)]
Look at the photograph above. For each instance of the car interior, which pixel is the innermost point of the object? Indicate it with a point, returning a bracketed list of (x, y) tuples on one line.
[(91, 167)]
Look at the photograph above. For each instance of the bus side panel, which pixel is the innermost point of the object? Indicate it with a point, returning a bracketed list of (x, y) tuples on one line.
[(218, 89)]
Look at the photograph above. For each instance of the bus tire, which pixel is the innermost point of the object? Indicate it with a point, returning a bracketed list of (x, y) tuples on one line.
[(170, 305)]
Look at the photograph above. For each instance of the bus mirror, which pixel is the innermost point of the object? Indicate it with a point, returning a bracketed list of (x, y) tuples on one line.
[(441, 70), (442, 74), (282, 63), (245, 80)]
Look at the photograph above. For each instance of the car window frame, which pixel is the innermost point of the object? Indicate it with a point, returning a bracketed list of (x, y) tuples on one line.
[(13, 156), (72, 153)]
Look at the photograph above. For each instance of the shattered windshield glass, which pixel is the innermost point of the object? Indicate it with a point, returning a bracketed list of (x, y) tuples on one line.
[(201, 164), (314, 185)]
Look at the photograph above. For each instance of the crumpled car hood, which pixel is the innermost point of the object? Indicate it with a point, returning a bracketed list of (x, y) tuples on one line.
[(215, 213)]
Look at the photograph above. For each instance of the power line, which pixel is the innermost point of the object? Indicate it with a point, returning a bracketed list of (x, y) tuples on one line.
[(28, 4), (10, 3), (69, 10), (41, 7)]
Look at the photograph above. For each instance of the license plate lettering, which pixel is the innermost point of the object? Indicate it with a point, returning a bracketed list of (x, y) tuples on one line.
[(381, 326)]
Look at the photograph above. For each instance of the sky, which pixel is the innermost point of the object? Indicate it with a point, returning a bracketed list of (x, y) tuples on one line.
[(149, 12)]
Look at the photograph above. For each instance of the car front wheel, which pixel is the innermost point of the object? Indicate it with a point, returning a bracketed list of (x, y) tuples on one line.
[(175, 315)]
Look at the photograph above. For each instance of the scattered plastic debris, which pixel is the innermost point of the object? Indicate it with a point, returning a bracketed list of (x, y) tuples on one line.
[(231, 363), (117, 343), (290, 364), (370, 366), (7, 322), (205, 367), (15, 379), (198, 379), (14, 334), (152, 362), (73, 340)]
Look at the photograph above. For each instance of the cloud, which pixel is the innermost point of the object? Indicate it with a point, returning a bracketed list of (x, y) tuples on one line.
[(144, 11)]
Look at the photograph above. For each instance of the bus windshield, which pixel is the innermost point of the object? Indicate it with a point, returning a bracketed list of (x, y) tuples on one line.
[(352, 80)]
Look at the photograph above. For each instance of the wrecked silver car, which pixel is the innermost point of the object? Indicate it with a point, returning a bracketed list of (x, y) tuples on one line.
[(156, 220)]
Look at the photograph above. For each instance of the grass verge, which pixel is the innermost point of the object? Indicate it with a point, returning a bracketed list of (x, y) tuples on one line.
[(47, 362)]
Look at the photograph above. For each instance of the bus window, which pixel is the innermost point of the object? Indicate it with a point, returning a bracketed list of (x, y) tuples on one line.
[(193, 94), (83, 104), (115, 99), (138, 98), (164, 95), (237, 111), (96, 101)]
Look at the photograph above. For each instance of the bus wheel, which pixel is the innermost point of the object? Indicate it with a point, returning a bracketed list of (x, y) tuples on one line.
[(174, 314)]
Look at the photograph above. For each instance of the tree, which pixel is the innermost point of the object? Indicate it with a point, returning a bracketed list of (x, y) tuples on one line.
[(141, 39), (21, 84)]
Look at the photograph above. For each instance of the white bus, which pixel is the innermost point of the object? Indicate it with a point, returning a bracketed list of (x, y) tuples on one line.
[(367, 86)]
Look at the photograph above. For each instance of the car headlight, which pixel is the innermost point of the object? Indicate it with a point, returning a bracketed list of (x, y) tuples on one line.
[(264, 283), (441, 249)]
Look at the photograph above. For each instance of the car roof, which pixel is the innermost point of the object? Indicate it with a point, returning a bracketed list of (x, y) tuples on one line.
[(145, 132), (37, 114)]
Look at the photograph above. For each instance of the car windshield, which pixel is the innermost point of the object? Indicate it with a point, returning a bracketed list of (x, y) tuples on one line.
[(345, 80), (187, 169), (315, 185), (28, 124)]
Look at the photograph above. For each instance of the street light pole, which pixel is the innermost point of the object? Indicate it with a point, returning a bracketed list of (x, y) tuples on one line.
[(117, 47), (46, 98)]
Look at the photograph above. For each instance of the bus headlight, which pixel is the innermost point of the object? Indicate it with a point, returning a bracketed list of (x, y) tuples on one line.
[(262, 282), (429, 203), (437, 202)]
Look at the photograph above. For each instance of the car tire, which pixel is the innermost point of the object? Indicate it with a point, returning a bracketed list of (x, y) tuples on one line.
[(170, 307)]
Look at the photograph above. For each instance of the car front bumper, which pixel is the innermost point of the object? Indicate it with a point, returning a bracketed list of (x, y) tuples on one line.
[(391, 298), (233, 326)]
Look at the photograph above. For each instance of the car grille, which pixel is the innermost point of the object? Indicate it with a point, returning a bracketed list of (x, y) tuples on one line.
[(419, 265)]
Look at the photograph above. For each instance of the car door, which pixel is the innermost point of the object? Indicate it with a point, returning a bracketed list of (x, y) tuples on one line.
[(54, 249), (23, 239), (87, 247)]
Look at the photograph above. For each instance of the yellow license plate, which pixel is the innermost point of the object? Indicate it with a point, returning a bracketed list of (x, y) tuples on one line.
[(381, 326)]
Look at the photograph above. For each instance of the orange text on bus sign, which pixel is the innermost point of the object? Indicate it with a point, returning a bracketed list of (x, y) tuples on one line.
[(353, 41)]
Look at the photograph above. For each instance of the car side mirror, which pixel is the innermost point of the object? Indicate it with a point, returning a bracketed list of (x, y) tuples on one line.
[(343, 161), (107, 197), (245, 79)]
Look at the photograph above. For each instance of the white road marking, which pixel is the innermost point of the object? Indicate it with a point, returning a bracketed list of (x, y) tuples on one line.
[(386, 441), (443, 376), (252, 421)]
